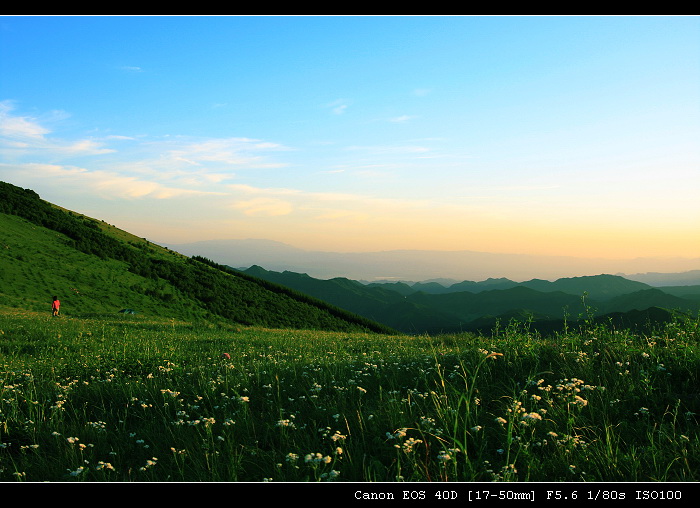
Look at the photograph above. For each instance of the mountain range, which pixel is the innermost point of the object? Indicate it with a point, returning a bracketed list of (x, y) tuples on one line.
[(430, 307), (423, 265)]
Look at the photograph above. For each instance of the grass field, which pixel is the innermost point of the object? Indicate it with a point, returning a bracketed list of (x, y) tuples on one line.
[(127, 398)]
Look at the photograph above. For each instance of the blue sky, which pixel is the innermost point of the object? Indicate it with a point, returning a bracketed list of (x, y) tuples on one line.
[(536, 135)]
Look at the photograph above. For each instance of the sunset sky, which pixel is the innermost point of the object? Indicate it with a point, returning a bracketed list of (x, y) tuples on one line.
[(535, 135)]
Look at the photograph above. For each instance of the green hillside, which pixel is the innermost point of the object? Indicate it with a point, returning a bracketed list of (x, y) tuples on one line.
[(95, 268)]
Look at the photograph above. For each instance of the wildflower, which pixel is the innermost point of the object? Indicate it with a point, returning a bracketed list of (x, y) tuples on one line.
[(317, 458), (580, 401), (501, 420), (72, 440), (446, 455), (226, 356), (244, 399), (149, 463), (531, 417), (330, 476), (409, 444), (97, 425), (399, 434), (337, 436), (104, 465)]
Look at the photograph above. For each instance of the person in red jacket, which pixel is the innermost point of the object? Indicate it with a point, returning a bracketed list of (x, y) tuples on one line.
[(56, 305)]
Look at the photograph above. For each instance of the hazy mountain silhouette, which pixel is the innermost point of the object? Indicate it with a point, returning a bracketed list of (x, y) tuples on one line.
[(689, 278), (414, 265)]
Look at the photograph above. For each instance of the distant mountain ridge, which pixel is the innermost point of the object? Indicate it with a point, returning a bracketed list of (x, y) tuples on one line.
[(689, 278), (417, 265), (477, 306)]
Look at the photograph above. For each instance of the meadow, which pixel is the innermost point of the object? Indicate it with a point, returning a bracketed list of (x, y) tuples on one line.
[(112, 398)]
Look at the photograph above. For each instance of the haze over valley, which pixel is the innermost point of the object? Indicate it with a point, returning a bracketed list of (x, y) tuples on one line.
[(427, 264)]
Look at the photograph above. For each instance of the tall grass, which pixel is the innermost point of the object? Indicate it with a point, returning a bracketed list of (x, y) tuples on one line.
[(132, 399)]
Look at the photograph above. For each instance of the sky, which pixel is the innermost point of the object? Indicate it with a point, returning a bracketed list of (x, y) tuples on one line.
[(572, 136)]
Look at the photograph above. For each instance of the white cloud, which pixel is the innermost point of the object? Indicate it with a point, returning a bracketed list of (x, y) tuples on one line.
[(400, 119), (19, 127), (268, 207), (397, 149), (106, 184), (85, 146), (338, 106), (215, 154), (22, 134)]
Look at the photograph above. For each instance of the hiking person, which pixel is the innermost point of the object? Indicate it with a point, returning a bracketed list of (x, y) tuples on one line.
[(56, 305)]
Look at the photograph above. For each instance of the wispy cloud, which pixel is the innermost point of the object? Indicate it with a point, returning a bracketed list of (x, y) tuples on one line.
[(338, 107), (268, 207), (400, 119), (390, 149), (225, 151), (128, 166), (18, 128), (22, 133), (105, 184)]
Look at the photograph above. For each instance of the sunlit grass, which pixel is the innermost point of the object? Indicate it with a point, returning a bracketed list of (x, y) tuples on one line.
[(132, 399)]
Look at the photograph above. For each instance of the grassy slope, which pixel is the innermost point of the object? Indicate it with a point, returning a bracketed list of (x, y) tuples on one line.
[(97, 268), (38, 263)]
